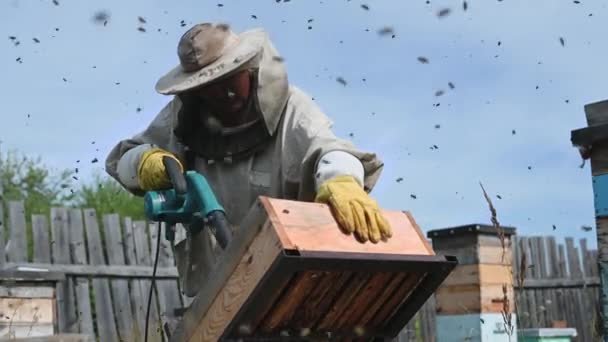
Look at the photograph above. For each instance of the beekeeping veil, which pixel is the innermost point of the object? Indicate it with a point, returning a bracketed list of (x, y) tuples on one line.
[(210, 52)]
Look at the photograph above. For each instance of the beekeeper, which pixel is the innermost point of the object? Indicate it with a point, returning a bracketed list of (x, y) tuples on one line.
[(236, 119)]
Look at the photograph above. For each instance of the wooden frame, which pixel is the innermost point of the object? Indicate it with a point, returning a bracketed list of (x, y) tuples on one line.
[(291, 263)]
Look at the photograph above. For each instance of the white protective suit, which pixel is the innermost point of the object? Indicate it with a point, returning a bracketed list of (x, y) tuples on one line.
[(288, 166)]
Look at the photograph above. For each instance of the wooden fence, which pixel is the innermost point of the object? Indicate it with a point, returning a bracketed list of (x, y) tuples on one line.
[(96, 298), (108, 269), (559, 287)]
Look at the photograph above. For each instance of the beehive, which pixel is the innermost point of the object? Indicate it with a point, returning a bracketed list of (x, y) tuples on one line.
[(294, 273)]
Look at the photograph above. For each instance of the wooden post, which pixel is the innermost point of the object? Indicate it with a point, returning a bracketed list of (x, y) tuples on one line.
[(475, 302), (592, 143)]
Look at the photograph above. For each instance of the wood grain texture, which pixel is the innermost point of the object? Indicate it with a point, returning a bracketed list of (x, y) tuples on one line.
[(138, 301), (311, 227), (26, 310), (17, 246), (81, 284), (255, 262), (40, 232), (143, 257), (60, 253), (106, 325), (120, 287), (481, 274), (468, 299), (537, 274)]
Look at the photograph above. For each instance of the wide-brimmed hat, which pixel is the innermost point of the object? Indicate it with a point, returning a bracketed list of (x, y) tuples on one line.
[(208, 52)]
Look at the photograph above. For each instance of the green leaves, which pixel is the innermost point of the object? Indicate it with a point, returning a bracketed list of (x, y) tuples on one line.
[(29, 179), (107, 196)]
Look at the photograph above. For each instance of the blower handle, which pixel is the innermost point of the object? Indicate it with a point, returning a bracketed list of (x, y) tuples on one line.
[(220, 228), (178, 179)]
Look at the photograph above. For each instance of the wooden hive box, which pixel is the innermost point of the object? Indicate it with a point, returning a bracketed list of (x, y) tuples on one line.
[(292, 273), (27, 303)]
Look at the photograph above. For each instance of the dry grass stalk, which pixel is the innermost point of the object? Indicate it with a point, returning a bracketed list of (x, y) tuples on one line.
[(506, 309)]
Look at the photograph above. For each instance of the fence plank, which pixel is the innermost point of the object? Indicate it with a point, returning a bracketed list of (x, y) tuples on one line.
[(67, 320), (106, 326), (2, 230), (530, 295), (555, 273), (515, 270), (169, 298), (574, 267), (142, 254), (587, 258), (17, 245), (138, 302), (535, 244), (120, 287), (180, 234), (549, 294), (569, 311), (40, 233), (81, 284)]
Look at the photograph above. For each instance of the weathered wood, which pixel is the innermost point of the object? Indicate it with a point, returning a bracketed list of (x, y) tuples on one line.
[(537, 272), (26, 310), (595, 113), (530, 295), (237, 247), (60, 253), (81, 286), (142, 254), (482, 274), (569, 309), (120, 287), (169, 297), (2, 230), (252, 266), (106, 327), (103, 271), (27, 292), (586, 258), (17, 244), (577, 272), (57, 338), (42, 246), (138, 299)]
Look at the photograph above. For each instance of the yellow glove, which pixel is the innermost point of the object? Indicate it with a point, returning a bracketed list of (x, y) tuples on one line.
[(151, 172), (354, 209)]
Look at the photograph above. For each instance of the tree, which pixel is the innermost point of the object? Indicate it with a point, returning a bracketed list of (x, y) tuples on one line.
[(107, 196), (28, 179)]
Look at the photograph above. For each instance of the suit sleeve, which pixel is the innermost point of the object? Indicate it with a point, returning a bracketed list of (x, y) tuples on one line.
[(123, 160)]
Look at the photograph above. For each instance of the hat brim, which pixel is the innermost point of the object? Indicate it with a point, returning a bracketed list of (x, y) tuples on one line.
[(177, 80)]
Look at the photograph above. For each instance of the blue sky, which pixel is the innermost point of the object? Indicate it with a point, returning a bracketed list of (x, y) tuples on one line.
[(495, 91)]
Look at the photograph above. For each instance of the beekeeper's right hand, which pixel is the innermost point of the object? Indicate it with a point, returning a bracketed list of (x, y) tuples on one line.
[(151, 173)]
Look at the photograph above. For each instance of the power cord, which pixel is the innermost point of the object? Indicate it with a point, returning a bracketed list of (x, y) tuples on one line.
[(153, 284)]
